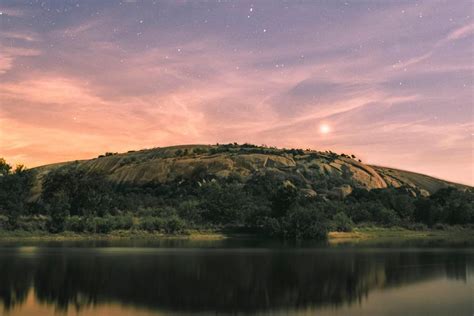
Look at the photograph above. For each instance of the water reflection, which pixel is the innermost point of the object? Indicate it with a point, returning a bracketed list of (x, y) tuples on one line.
[(229, 280)]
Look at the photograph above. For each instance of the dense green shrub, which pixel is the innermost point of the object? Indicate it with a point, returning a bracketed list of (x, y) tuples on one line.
[(361, 212), (190, 211), (15, 187), (75, 224), (32, 223), (224, 203), (103, 225), (98, 224), (440, 226), (122, 222), (404, 205), (283, 200), (174, 225), (58, 213), (4, 222), (271, 227), (168, 225), (152, 224), (342, 223), (304, 223), (387, 217), (77, 192), (299, 223), (415, 226)]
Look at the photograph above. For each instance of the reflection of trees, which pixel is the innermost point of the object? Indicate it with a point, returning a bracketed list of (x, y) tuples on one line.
[(15, 281), (217, 280)]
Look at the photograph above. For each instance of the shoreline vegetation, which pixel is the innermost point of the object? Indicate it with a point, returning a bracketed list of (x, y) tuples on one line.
[(358, 234), (284, 194)]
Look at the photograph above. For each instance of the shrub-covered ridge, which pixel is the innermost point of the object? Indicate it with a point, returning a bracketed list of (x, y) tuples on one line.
[(293, 194)]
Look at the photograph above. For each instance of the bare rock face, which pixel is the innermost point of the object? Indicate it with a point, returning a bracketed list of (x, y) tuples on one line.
[(345, 190), (424, 193), (341, 192), (310, 193), (366, 175)]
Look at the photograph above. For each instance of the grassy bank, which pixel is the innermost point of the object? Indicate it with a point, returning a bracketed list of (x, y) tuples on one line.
[(374, 233), (114, 235), (364, 233)]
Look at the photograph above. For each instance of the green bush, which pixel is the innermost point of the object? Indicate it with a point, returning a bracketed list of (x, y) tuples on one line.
[(190, 211), (361, 212), (75, 224), (174, 225), (89, 225), (3, 222), (300, 223), (303, 223), (57, 219), (168, 225), (440, 226), (342, 223), (151, 224), (99, 225), (271, 227), (415, 226), (122, 222), (387, 217), (104, 225)]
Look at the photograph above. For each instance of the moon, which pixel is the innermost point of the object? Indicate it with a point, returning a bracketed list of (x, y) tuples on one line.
[(324, 128)]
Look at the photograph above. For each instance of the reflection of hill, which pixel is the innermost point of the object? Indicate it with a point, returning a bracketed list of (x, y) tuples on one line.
[(216, 280)]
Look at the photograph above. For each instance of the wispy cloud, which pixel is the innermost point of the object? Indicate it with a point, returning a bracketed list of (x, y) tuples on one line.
[(461, 32), (454, 35), (79, 80), (10, 12)]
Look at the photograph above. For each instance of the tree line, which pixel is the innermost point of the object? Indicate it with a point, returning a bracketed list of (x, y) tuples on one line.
[(74, 199)]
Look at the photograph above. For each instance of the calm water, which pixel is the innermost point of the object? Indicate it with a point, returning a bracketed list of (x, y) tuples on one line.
[(235, 277)]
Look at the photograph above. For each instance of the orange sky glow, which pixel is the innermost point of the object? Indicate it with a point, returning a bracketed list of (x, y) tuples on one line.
[(389, 82)]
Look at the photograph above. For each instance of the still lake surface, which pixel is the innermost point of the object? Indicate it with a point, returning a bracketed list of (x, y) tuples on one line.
[(238, 277)]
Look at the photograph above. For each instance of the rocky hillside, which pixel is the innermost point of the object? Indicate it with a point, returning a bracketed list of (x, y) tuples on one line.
[(314, 172)]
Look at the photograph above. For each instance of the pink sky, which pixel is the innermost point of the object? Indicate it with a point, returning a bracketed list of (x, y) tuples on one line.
[(392, 81)]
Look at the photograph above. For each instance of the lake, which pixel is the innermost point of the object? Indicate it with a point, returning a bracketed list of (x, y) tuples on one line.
[(238, 277)]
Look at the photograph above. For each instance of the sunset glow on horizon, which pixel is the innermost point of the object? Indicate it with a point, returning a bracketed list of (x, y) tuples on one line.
[(391, 82)]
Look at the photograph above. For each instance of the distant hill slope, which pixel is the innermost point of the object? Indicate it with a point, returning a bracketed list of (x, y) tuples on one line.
[(414, 179), (304, 167)]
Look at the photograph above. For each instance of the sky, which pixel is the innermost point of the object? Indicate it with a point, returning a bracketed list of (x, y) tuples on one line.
[(388, 81)]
